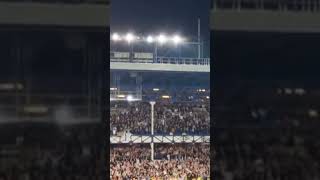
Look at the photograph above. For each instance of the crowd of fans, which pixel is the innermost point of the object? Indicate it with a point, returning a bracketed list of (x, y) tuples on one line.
[(180, 94), (134, 117), (171, 162), (76, 153), (170, 118), (178, 118), (181, 114), (266, 154)]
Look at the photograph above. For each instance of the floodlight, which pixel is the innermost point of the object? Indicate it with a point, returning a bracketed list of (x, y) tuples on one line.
[(176, 39), (149, 39), (115, 37), (129, 98), (162, 39), (129, 37), (165, 97)]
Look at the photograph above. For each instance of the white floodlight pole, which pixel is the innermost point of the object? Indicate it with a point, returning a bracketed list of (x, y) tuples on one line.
[(131, 51), (152, 129), (156, 51), (199, 45)]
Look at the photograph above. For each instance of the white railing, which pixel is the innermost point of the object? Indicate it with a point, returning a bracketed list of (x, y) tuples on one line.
[(167, 60), (129, 138), (185, 61)]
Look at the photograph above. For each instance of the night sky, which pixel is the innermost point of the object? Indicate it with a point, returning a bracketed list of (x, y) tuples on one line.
[(166, 16)]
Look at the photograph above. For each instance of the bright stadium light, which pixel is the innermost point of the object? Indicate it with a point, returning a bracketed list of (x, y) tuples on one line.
[(162, 39), (129, 37), (115, 37), (177, 39), (165, 97), (129, 98), (150, 39), (156, 89)]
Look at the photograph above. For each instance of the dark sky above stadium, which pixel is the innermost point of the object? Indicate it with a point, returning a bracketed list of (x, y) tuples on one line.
[(156, 16)]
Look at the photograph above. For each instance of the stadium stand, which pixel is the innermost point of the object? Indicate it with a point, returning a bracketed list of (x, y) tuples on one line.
[(178, 161), (47, 128), (175, 118), (266, 106)]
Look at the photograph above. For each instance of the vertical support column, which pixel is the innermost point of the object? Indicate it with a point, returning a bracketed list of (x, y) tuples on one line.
[(138, 86), (238, 5), (19, 74), (88, 58), (152, 151), (152, 103), (155, 52), (199, 43), (131, 52)]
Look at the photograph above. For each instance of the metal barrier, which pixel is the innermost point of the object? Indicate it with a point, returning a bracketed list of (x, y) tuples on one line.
[(268, 5), (167, 60), (131, 138), (184, 61)]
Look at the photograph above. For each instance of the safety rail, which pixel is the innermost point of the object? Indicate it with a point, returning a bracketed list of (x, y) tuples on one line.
[(168, 60), (130, 138), (185, 61), (268, 5)]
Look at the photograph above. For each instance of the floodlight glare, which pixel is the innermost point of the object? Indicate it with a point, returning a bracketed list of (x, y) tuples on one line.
[(149, 39), (129, 37), (129, 98), (162, 39), (165, 97), (176, 39), (115, 37)]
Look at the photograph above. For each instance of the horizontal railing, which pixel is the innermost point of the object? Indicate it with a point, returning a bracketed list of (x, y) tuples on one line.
[(269, 5), (167, 60), (130, 138), (184, 61)]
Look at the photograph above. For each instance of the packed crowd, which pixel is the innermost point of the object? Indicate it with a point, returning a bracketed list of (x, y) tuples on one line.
[(170, 118), (171, 162), (177, 118), (266, 154), (76, 153), (134, 117), (181, 94)]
